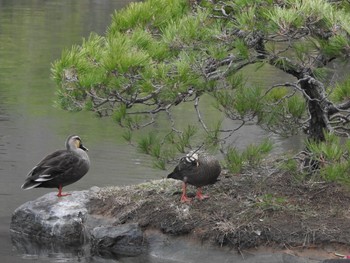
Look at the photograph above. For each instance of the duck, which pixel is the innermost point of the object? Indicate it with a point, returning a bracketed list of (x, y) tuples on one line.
[(198, 170), (60, 168)]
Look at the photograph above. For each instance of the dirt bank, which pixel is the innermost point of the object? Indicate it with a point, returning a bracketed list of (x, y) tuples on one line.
[(261, 207)]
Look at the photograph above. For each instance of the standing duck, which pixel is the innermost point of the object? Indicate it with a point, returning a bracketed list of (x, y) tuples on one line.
[(198, 171), (60, 168)]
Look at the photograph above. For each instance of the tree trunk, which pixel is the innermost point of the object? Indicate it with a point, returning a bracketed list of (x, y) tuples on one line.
[(318, 105), (317, 126)]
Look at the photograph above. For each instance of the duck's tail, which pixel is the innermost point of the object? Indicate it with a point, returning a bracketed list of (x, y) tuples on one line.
[(30, 185)]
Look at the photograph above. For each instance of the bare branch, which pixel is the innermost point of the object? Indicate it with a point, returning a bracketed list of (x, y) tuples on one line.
[(199, 115)]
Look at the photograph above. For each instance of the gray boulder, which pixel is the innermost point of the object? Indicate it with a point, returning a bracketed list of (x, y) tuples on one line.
[(51, 218), (51, 222), (118, 240)]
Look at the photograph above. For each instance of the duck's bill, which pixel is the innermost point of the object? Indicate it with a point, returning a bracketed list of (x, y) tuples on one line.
[(84, 148)]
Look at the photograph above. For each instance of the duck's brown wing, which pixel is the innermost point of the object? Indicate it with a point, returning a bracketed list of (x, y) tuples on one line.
[(51, 167), (205, 173)]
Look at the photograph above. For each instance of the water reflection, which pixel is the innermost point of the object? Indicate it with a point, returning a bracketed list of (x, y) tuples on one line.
[(31, 249), (162, 249)]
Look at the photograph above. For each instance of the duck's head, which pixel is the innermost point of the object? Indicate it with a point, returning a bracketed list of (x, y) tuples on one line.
[(192, 158), (74, 142)]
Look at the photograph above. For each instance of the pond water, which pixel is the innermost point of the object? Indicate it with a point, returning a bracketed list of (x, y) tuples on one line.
[(33, 34)]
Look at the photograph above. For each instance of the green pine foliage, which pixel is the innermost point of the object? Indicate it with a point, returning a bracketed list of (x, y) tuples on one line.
[(248, 100), (296, 107), (282, 110), (182, 141), (149, 40), (157, 54), (341, 91), (252, 156), (234, 160), (149, 144), (151, 13), (255, 153), (333, 158), (285, 19)]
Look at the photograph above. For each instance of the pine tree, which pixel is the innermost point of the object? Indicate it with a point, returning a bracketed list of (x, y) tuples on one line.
[(161, 53)]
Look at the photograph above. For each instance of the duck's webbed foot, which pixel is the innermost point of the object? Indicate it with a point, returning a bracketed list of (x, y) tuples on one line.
[(60, 194), (185, 199), (199, 194)]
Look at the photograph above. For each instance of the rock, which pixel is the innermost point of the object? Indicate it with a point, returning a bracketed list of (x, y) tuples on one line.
[(66, 223), (52, 218), (118, 240)]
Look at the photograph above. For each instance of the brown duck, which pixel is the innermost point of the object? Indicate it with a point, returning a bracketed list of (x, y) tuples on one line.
[(61, 168), (198, 170)]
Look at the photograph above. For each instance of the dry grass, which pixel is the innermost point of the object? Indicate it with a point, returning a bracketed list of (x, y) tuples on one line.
[(259, 207)]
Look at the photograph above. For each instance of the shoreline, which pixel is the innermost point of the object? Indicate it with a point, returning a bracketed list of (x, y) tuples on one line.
[(259, 210)]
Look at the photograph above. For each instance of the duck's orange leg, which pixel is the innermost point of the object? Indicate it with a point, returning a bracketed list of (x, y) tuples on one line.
[(60, 194), (184, 198), (199, 194)]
